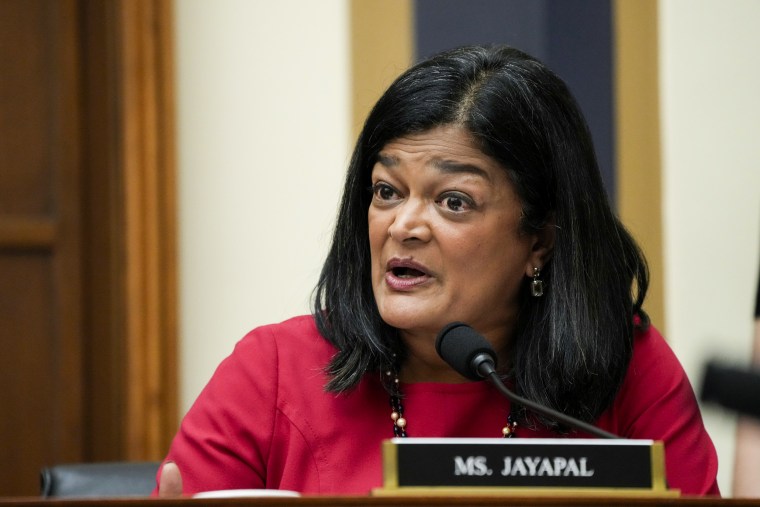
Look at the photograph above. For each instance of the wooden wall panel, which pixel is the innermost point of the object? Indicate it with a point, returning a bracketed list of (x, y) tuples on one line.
[(27, 102), (382, 47), (130, 257), (147, 96), (638, 139), (28, 370), (40, 285), (87, 254)]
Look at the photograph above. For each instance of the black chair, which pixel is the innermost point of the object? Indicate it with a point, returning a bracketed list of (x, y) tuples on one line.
[(108, 479)]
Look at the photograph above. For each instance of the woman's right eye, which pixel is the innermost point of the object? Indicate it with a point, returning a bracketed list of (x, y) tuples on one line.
[(384, 192)]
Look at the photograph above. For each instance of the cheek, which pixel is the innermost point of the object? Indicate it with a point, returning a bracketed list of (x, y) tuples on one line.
[(373, 226), (492, 257), (378, 232)]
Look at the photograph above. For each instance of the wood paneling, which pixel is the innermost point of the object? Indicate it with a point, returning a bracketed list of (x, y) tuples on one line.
[(87, 254), (382, 47), (638, 138), (40, 236), (131, 223), (29, 96), (150, 203), (26, 232)]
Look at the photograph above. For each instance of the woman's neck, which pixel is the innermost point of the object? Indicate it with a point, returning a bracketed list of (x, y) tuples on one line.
[(423, 364), (415, 369)]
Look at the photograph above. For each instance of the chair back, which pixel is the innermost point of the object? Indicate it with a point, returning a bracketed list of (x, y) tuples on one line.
[(108, 479)]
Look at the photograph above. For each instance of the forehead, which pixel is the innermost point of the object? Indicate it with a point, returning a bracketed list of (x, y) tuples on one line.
[(447, 148)]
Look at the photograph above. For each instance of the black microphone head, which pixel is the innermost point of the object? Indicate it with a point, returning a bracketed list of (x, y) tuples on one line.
[(458, 344)]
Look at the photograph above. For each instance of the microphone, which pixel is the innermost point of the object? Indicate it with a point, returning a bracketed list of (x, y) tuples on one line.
[(733, 388), (472, 356)]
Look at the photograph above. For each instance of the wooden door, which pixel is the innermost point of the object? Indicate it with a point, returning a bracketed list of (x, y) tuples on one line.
[(87, 288)]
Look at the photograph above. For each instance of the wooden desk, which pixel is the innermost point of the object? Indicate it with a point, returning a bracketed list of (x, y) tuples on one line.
[(355, 501)]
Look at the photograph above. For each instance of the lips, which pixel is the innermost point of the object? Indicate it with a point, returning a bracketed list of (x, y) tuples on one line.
[(405, 274)]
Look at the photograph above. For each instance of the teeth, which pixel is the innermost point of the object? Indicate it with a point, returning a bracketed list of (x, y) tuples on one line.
[(407, 272)]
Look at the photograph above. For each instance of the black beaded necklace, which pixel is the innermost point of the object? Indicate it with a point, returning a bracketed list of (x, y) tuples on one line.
[(397, 409)]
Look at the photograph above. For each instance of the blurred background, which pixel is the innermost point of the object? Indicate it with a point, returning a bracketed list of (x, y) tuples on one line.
[(170, 173)]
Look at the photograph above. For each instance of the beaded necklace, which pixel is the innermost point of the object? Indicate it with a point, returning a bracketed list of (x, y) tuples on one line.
[(397, 409)]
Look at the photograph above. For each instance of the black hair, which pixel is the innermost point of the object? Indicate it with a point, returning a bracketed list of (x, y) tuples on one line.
[(571, 347)]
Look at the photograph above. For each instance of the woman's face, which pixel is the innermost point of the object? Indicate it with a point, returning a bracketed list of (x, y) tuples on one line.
[(445, 238)]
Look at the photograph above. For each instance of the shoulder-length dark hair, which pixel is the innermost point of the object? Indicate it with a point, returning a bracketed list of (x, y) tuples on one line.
[(572, 346)]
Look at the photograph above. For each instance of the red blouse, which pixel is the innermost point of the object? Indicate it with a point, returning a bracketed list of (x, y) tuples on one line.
[(265, 421)]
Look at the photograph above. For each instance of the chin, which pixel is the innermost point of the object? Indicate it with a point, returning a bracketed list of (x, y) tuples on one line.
[(406, 319), (412, 312)]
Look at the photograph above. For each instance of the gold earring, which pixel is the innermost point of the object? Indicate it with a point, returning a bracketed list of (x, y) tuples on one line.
[(537, 285)]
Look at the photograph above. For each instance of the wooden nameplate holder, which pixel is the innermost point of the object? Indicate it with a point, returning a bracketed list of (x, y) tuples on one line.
[(529, 466)]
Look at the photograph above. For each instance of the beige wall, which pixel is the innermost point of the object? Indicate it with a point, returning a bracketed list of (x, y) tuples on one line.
[(263, 135), (710, 106)]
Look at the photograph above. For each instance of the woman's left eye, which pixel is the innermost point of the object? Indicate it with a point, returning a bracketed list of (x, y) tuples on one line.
[(456, 202), (383, 191)]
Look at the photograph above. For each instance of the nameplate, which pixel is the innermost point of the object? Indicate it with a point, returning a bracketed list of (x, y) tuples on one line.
[(584, 464)]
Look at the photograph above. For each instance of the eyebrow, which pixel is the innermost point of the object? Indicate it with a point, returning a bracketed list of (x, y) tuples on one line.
[(445, 166), (387, 160), (449, 166)]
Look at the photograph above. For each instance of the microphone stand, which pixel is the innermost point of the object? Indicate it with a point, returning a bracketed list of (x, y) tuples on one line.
[(572, 422), (473, 357)]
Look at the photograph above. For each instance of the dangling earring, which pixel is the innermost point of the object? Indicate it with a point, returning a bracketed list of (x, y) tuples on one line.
[(537, 285)]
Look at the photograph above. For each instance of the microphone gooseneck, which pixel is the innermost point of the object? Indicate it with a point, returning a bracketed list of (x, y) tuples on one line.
[(472, 356)]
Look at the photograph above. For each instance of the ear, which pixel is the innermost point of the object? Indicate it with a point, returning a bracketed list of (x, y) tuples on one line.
[(542, 246)]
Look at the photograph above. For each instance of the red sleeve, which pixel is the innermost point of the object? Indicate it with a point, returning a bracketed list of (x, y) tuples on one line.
[(656, 401), (223, 443)]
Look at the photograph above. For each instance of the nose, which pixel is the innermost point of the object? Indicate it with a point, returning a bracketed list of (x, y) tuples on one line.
[(411, 222)]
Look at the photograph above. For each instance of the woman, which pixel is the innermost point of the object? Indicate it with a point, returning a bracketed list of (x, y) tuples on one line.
[(473, 195)]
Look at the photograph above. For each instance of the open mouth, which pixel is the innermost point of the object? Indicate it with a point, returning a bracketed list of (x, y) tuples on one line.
[(405, 275), (405, 272)]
